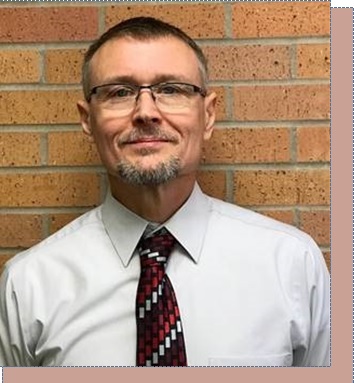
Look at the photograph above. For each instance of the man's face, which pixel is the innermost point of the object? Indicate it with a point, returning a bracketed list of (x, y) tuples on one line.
[(145, 144)]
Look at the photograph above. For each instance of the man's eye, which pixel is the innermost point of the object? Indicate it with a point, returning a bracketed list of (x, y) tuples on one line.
[(170, 89), (120, 92)]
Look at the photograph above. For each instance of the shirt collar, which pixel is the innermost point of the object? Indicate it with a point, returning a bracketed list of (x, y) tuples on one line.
[(188, 225)]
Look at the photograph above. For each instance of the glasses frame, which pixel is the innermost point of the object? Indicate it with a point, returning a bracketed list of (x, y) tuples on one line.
[(139, 88)]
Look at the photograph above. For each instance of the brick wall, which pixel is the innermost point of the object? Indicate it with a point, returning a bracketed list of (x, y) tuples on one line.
[(269, 63)]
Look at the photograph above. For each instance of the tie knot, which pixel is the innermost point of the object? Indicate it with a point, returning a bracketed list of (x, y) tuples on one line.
[(155, 249)]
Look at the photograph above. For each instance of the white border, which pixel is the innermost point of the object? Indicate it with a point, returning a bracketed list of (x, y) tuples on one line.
[(342, 3), (334, 4)]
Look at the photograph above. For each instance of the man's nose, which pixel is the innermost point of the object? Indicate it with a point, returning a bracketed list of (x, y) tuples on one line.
[(146, 108)]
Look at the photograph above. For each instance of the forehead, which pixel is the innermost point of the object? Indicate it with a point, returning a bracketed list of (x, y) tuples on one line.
[(144, 61)]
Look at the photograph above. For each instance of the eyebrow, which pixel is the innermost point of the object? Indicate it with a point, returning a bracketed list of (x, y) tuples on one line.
[(132, 80)]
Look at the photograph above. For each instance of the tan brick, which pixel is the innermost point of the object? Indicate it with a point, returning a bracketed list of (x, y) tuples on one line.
[(49, 190), (313, 61), (247, 145), (213, 183), (280, 19), (19, 149), (265, 188), (220, 91), (297, 102), (39, 107), (19, 67), (39, 24), (57, 107), (327, 257), (282, 187), (220, 148), (57, 221), (313, 144), (286, 216), (313, 187), (20, 230), (71, 148), (198, 20), (3, 259), (317, 224), (63, 66), (248, 62)]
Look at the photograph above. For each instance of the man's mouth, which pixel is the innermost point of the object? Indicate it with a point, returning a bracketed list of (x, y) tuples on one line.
[(147, 140), (147, 144)]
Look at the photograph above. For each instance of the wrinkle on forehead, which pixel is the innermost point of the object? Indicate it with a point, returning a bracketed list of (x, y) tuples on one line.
[(179, 56), (156, 79)]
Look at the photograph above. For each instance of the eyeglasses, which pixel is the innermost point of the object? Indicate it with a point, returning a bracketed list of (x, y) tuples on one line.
[(168, 96)]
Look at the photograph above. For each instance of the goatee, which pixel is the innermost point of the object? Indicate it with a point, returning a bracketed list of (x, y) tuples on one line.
[(162, 173)]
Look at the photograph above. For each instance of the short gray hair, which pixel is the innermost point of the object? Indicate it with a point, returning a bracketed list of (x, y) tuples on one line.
[(141, 28)]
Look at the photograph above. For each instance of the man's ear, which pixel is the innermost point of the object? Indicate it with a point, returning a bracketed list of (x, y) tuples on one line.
[(84, 111), (210, 114)]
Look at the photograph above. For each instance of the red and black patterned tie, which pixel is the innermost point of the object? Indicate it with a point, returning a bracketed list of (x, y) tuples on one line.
[(160, 339)]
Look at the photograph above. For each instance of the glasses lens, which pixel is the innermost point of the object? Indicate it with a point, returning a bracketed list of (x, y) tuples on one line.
[(118, 95), (170, 96)]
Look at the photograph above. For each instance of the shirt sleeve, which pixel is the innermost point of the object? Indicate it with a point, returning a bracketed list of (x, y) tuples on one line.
[(13, 349), (316, 353)]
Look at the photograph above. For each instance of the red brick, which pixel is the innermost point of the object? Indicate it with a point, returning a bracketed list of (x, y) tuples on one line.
[(71, 148), (317, 224), (198, 20), (49, 190), (63, 66), (280, 19), (313, 144), (213, 183), (39, 107), (250, 62), (20, 66), (247, 145), (20, 230), (313, 61), (19, 149), (46, 24), (282, 187), (297, 102)]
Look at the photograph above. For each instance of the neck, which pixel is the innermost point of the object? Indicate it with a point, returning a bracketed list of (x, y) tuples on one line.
[(155, 203)]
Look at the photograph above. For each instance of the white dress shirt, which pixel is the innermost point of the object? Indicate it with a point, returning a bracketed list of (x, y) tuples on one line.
[(251, 291)]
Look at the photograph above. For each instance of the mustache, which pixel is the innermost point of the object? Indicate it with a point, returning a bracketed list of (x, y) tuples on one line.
[(151, 132)]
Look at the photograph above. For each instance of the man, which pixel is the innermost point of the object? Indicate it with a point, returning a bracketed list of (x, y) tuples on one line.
[(238, 289)]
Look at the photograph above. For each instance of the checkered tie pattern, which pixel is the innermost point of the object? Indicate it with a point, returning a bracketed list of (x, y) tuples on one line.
[(160, 339)]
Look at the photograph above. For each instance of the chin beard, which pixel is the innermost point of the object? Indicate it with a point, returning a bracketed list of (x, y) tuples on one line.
[(162, 173)]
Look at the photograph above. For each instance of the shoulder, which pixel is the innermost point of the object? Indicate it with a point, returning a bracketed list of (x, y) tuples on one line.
[(74, 236), (236, 219), (238, 232)]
